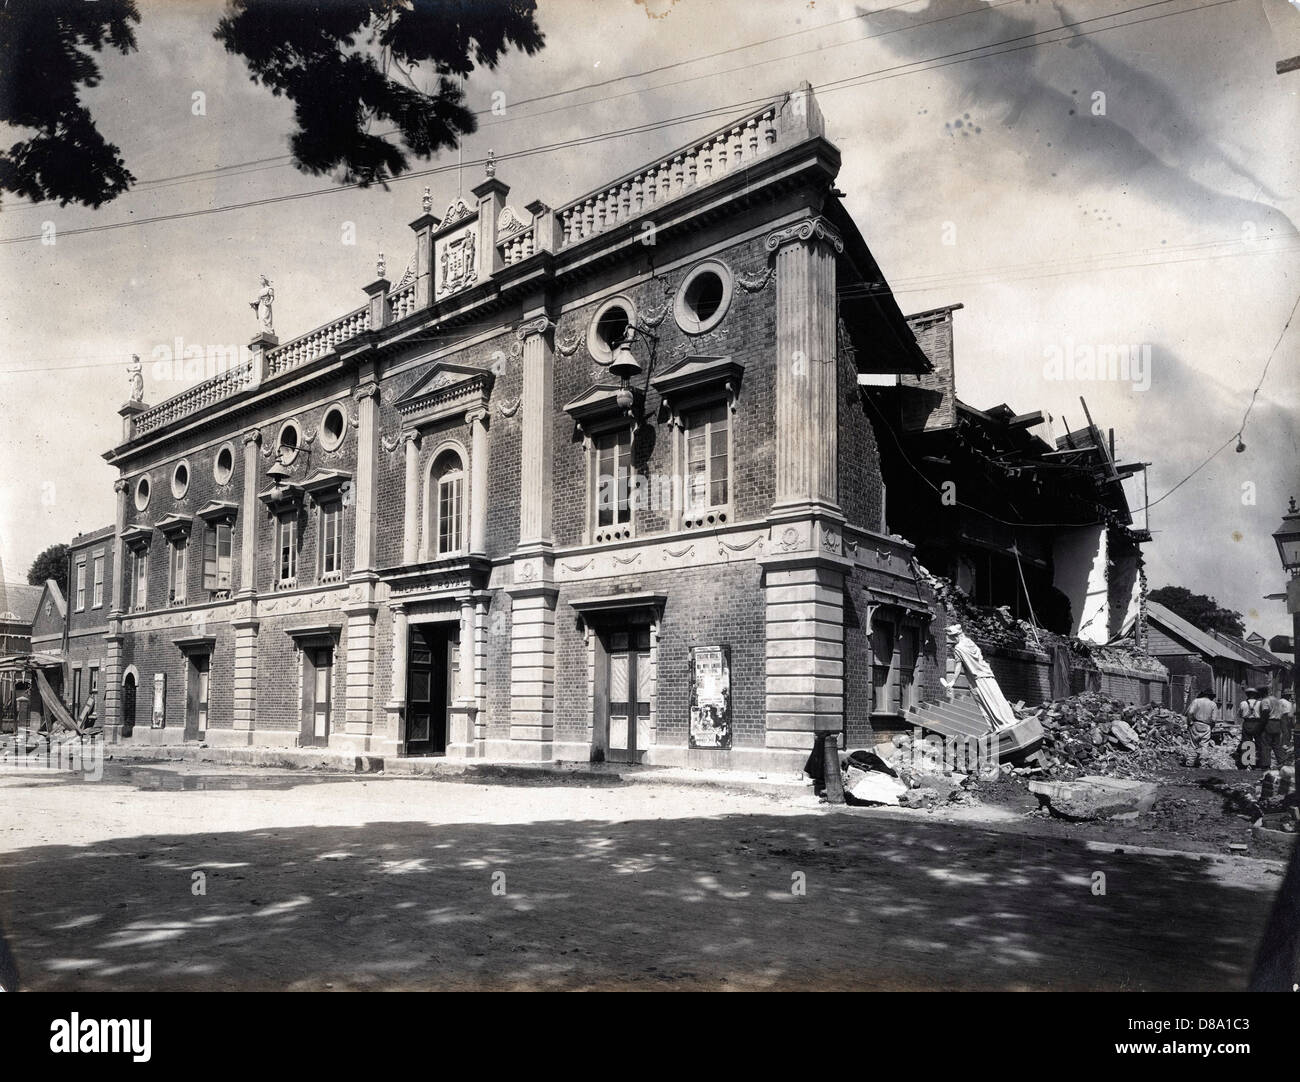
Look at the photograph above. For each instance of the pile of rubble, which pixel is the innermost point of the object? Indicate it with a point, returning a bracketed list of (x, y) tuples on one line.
[(1099, 735), (998, 628)]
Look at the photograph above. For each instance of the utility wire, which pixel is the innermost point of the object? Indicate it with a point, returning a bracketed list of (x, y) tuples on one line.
[(827, 88)]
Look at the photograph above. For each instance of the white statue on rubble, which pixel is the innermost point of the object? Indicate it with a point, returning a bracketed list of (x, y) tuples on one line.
[(135, 377), (262, 306)]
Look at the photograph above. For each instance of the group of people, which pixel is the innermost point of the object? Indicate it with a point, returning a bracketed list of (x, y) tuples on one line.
[(1267, 720)]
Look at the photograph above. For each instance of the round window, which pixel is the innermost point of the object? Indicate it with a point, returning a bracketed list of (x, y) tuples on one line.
[(142, 494), (224, 464), (703, 297), (286, 445), (332, 427), (609, 327), (180, 479)]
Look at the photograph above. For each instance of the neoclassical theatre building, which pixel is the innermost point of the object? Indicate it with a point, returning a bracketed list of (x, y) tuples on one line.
[(592, 482)]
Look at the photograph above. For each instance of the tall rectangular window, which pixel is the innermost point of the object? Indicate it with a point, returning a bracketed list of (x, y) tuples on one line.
[(331, 518), (99, 582), (76, 691), (81, 586), (216, 557), (614, 477), (707, 460), (286, 547), (450, 495), (882, 666), (92, 691), (139, 579), (176, 572)]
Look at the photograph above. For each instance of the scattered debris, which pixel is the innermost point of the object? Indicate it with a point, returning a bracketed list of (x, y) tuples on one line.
[(1092, 797)]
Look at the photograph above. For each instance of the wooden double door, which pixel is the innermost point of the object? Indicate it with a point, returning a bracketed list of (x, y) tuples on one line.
[(628, 683), (432, 663), (317, 695)]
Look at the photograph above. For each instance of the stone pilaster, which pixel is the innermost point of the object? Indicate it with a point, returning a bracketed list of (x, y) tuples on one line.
[(532, 663), (536, 466), (113, 661), (248, 516), (807, 421), (804, 595), (462, 718), (122, 487), (394, 733), (411, 499), (360, 609), (367, 398), (478, 482), (244, 625)]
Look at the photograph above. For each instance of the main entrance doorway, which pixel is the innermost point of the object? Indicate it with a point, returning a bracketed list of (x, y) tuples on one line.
[(317, 695), (431, 666), (627, 702), (196, 697)]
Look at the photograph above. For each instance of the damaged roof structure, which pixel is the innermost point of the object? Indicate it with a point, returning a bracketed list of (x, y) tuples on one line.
[(1013, 515)]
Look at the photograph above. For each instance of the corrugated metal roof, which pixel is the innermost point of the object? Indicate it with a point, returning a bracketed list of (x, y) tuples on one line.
[(1260, 658), (1202, 641)]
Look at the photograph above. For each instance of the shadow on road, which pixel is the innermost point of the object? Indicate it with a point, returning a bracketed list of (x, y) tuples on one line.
[(700, 902)]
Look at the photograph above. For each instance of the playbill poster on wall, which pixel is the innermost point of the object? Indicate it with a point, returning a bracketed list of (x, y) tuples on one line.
[(711, 697)]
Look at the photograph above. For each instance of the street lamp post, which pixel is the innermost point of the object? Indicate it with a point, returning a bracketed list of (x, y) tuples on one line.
[(1287, 537)]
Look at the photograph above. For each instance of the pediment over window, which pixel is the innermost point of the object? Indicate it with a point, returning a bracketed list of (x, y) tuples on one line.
[(219, 512), (445, 391), (697, 377), (175, 526), (599, 407), (325, 485), (282, 498), (137, 536)]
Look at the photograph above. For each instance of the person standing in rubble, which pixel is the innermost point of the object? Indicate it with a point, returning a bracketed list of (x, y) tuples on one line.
[(1252, 729), (1286, 711), (1270, 736), (1200, 717)]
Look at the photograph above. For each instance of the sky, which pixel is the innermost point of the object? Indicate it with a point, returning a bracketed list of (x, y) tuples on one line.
[(1095, 185)]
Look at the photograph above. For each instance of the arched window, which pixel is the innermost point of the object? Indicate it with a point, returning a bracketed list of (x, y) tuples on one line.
[(446, 505)]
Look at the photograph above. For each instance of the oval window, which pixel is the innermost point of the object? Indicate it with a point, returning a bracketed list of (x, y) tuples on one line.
[(180, 479), (703, 297), (142, 493), (608, 328), (332, 428), (286, 446), (224, 464)]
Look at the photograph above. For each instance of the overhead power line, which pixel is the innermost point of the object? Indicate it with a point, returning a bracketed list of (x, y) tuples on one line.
[(958, 56)]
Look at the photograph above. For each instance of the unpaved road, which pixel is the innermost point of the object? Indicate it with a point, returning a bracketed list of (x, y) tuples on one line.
[(314, 882)]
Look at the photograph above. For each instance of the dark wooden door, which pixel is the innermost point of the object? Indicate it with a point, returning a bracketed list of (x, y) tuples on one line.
[(128, 704), (430, 680), (627, 714)]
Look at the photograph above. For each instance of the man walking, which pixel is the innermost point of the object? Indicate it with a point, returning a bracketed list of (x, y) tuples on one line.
[(1251, 749), (1200, 717), (1270, 742)]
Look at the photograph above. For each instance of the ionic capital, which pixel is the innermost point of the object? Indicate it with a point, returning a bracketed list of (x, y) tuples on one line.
[(809, 229)]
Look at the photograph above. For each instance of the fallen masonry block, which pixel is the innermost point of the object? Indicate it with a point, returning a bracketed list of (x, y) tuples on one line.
[(1092, 797)]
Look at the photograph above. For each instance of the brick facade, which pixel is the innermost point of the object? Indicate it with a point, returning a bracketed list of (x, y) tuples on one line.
[(478, 395)]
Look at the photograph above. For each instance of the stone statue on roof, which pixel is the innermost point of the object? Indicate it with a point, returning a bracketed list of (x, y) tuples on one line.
[(135, 377), (262, 306)]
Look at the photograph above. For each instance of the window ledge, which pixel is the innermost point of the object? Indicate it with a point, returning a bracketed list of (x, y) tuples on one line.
[(285, 584)]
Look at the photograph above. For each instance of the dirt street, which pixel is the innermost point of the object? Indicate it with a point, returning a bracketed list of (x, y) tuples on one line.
[(314, 881)]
